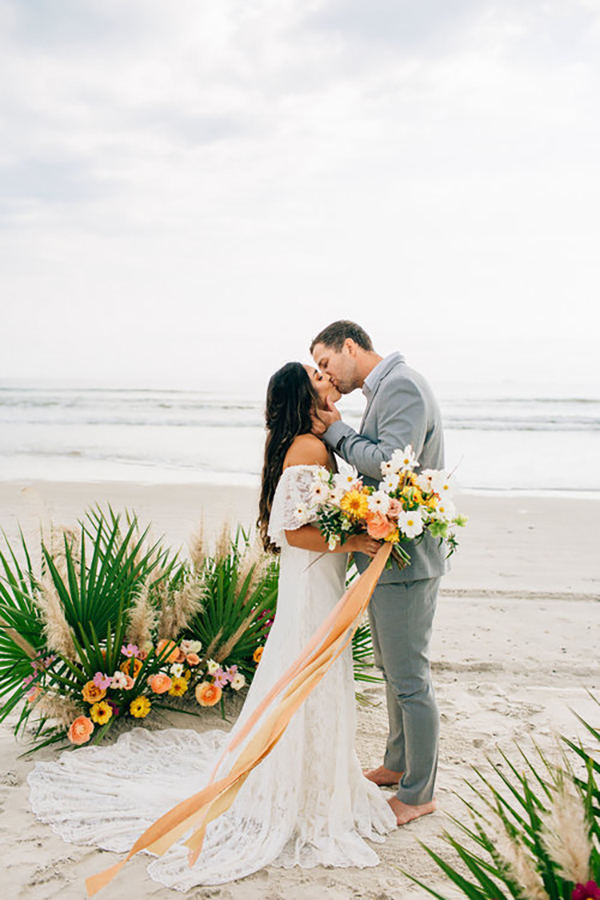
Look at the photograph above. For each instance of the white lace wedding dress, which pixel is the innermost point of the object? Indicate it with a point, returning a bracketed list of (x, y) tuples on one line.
[(306, 804)]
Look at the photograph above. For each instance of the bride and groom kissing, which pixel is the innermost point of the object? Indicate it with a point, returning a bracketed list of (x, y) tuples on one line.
[(400, 410), (308, 802)]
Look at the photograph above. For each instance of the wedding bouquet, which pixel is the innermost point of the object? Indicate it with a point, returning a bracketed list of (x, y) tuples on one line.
[(402, 509)]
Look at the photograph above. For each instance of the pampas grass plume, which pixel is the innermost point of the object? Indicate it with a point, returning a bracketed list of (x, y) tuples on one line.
[(142, 619), (521, 866), (197, 548), (223, 546), (62, 709), (59, 638), (566, 835)]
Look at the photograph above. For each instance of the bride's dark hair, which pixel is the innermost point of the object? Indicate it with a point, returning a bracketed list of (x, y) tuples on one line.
[(291, 398)]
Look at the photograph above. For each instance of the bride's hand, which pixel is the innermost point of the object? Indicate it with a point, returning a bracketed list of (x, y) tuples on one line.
[(362, 543)]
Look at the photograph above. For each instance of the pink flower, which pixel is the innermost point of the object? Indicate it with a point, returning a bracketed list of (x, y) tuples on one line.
[(28, 680), (587, 891), (231, 673), (394, 509), (102, 681), (220, 678), (130, 650)]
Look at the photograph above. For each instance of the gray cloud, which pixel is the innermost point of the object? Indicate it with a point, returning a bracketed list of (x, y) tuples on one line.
[(48, 180)]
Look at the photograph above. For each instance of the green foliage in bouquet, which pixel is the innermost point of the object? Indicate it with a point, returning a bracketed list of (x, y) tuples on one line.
[(532, 834)]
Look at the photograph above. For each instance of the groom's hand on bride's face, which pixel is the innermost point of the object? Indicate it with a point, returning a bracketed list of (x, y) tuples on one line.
[(330, 414)]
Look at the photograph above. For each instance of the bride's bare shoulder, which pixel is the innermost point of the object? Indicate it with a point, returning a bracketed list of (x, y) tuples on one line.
[(306, 450)]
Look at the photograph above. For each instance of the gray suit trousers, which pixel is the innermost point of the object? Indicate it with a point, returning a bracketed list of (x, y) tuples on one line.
[(401, 616)]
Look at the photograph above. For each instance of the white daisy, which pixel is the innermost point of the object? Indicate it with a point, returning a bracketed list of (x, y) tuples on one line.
[(410, 523), (387, 467), (346, 479), (301, 512), (445, 509), (176, 670), (319, 492), (390, 482), (379, 502), (238, 681), (424, 481), (404, 459), (335, 494), (441, 484)]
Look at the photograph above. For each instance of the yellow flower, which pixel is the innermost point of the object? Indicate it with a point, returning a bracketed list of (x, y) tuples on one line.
[(393, 537), (140, 707), (355, 503), (256, 656), (187, 674), (178, 687), (101, 712)]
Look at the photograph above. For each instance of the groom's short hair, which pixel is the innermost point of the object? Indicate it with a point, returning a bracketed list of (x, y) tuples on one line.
[(338, 332)]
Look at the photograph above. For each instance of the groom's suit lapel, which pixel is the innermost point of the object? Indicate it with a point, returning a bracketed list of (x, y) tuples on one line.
[(395, 361)]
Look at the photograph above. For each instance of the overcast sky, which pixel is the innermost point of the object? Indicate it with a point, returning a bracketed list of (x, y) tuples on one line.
[(190, 190)]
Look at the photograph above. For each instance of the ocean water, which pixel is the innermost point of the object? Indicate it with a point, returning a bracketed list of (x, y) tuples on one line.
[(498, 438)]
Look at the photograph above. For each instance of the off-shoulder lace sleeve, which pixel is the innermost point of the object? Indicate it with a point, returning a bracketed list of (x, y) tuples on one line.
[(293, 503)]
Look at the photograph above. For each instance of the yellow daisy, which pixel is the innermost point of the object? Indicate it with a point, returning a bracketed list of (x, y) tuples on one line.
[(178, 687), (101, 712), (140, 707), (355, 503)]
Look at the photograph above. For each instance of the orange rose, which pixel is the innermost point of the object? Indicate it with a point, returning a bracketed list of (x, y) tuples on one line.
[(378, 526), (160, 683), (129, 682), (173, 649), (80, 730), (208, 694), (126, 666), (92, 693), (192, 659)]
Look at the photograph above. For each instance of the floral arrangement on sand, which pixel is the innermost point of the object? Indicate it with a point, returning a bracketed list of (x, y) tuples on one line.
[(108, 627)]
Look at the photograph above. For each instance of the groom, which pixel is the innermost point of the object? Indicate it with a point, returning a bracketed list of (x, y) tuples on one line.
[(401, 410)]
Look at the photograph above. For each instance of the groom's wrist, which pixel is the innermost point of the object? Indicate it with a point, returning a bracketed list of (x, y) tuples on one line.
[(336, 434)]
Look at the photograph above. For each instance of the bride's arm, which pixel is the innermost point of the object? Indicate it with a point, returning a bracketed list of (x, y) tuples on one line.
[(310, 538), (309, 450)]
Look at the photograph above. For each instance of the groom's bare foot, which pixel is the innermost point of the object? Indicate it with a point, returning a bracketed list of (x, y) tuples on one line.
[(405, 813), (383, 777)]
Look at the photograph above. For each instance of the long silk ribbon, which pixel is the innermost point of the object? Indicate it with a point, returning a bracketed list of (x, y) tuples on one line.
[(292, 689)]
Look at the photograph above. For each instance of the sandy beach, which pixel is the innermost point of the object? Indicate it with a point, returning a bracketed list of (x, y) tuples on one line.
[(514, 652)]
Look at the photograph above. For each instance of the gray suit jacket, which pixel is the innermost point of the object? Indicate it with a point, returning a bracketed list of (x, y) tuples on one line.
[(401, 410)]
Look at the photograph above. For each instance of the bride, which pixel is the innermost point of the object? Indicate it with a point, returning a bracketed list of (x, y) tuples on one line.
[(307, 803)]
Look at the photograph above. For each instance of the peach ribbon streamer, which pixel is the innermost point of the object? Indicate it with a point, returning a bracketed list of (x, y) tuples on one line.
[(197, 811)]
